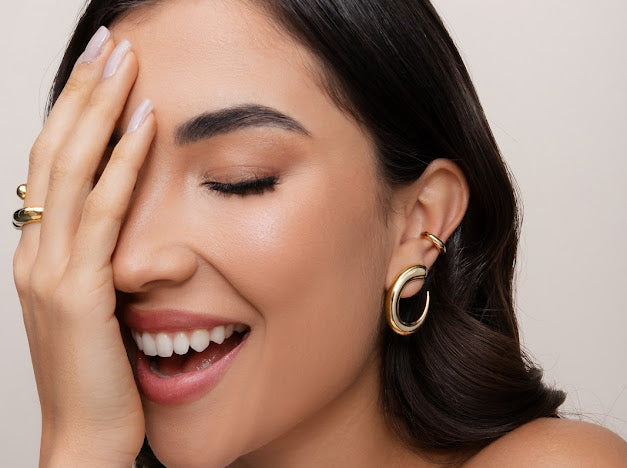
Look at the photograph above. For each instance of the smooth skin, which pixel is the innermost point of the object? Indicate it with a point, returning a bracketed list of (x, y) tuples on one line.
[(305, 265)]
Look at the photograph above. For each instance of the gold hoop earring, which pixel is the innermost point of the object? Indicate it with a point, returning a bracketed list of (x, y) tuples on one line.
[(394, 294), (436, 241)]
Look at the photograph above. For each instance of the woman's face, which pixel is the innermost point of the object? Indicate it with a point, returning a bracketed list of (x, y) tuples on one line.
[(301, 264)]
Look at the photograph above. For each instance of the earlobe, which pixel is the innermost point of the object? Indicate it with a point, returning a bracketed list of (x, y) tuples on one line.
[(435, 203)]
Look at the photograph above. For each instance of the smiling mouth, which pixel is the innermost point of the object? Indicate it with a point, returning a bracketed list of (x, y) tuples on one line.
[(180, 352)]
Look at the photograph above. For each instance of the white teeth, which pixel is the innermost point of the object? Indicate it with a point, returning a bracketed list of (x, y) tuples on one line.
[(148, 344), (200, 340), (181, 343), (164, 345), (138, 339), (217, 335)]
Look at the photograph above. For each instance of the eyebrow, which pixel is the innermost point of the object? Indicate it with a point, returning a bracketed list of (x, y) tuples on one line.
[(230, 119)]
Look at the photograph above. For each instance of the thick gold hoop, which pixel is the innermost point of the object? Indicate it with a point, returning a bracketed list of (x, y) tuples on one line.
[(393, 296)]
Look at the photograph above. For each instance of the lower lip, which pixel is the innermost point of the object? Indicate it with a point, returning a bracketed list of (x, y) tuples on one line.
[(185, 387)]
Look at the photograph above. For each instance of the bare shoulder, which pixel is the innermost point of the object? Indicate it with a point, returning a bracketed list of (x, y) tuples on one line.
[(548, 442)]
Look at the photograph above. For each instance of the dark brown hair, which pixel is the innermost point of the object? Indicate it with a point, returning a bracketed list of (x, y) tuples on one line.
[(461, 381)]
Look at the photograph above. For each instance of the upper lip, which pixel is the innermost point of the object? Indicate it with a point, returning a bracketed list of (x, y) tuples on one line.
[(164, 320)]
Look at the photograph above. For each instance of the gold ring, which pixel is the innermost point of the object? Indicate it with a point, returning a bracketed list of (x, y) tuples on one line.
[(27, 215), (21, 191), (436, 241)]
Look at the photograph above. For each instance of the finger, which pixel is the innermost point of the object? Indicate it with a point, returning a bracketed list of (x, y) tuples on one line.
[(72, 172), (65, 113), (62, 118), (106, 205)]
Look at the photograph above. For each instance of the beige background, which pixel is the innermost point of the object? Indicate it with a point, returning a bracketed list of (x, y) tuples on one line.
[(552, 75)]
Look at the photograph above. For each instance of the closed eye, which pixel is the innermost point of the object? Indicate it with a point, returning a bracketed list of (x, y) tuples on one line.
[(246, 187)]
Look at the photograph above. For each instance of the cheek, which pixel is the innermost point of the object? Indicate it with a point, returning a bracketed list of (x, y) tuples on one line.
[(309, 258), (312, 243)]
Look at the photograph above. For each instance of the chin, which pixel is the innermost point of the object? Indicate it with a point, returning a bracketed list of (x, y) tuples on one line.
[(177, 446)]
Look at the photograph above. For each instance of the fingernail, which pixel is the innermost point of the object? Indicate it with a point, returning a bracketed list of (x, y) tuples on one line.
[(116, 57), (140, 115), (95, 45)]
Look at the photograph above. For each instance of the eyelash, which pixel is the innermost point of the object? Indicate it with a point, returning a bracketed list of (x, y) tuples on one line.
[(244, 188)]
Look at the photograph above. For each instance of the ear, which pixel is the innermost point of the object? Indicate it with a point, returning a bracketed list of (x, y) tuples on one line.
[(434, 203)]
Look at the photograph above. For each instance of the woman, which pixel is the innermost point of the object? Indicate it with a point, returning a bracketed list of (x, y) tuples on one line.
[(232, 267)]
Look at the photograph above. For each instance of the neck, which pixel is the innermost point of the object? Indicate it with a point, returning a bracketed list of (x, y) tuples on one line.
[(349, 431)]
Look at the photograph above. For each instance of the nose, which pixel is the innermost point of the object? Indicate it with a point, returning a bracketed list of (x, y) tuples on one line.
[(151, 248)]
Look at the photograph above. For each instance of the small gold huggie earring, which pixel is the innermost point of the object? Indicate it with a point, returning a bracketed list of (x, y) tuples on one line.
[(392, 298), (436, 241)]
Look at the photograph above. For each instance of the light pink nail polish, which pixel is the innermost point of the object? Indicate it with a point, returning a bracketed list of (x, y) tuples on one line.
[(140, 115), (116, 57), (95, 45)]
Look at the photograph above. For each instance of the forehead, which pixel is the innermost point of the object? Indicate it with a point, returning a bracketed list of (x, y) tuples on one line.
[(198, 55)]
